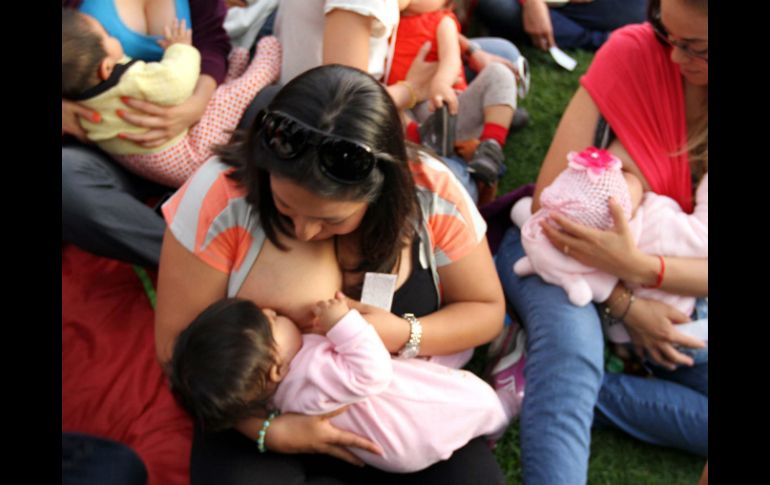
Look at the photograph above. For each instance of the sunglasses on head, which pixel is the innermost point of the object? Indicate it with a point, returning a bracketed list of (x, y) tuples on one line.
[(341, 159), (663, 36)]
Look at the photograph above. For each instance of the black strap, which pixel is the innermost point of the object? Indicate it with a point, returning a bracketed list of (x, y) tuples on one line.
[(604, 134)]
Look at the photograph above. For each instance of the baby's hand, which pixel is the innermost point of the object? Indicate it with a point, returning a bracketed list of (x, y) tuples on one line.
[(329, 312), (176, 33), (442, 93)]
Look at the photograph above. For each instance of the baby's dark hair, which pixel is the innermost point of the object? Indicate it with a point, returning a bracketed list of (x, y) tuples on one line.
[(81, 53), (220, 368)]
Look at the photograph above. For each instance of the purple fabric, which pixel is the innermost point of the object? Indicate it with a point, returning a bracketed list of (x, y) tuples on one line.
[(209, 35), (497, 214)]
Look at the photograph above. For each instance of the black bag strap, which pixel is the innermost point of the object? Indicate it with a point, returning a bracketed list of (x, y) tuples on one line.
[(604, 134)]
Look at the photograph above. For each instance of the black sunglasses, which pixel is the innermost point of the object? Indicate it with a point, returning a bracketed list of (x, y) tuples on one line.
[(341, 159), (663, 36)]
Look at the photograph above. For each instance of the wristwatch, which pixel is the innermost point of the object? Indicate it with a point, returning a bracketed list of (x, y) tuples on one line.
[(412, 347)]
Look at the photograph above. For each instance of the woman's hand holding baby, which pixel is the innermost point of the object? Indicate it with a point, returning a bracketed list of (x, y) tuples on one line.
[(651, 325), (612, 251), (70, 125), (297, 433)]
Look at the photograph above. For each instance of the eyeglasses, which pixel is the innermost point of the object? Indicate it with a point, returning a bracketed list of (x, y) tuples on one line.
[(662, 33), (341, 159)]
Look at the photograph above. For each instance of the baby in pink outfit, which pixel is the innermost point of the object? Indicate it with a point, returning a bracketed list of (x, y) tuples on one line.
[(657, 223), (235, 360)]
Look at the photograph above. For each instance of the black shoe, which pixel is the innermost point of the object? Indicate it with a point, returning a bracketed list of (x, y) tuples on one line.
[(437, 132), (488, 162), (520, 120)]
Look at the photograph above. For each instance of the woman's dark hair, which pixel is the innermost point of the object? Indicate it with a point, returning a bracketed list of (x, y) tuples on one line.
[(348, 103), (653, 9), (81, 53), (219, 371)]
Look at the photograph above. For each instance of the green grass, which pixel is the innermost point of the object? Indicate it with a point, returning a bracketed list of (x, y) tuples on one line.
[(615, 457), (551, 89)]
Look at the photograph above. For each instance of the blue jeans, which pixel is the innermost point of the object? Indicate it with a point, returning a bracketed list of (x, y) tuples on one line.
[(584, 26), (566, 383)]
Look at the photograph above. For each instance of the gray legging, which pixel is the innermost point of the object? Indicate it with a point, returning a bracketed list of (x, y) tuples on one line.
[(103, 210), (495, 85)]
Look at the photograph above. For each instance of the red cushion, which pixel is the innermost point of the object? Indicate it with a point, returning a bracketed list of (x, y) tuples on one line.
[(112, 384)]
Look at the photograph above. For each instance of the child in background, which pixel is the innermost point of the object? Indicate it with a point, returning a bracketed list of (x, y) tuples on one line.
[(657, 223), (482, 110), (96, 73), (235, 360)]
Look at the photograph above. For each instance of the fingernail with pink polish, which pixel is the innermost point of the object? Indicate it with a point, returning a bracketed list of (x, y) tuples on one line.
[(96, 117)]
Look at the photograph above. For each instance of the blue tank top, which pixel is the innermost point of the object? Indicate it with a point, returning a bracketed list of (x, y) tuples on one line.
[(135, 45)]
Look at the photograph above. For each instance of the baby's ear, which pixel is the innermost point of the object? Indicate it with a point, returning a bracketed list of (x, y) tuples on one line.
[(105, 68), (276, 373)]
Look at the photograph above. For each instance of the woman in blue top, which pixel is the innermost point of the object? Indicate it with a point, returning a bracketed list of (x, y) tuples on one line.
[(102, 204)]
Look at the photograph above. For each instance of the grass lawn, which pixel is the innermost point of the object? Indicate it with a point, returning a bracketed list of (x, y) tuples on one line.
[(615, 457)]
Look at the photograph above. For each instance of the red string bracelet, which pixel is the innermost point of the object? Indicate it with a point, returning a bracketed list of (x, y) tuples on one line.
[(659, 280)]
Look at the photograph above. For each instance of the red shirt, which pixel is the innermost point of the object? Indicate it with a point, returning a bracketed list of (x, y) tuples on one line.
[(638, 90), (413, 31)]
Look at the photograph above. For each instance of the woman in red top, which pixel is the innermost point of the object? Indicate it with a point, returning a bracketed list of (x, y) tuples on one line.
[(650, 83)]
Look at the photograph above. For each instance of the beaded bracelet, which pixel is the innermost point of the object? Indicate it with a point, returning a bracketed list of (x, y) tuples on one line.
[(263, 431), (631, 299)]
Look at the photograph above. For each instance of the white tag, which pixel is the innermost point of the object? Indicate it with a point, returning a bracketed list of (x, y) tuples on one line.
[(378, 290), (562, 59)]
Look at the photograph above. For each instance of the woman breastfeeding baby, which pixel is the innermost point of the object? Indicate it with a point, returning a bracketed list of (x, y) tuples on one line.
[(319, 191)]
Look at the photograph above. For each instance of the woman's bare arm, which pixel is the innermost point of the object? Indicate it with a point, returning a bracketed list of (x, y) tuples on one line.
[(186, 286), (346, 39)]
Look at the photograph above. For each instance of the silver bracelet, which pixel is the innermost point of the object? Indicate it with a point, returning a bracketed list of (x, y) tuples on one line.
[(412, 347)]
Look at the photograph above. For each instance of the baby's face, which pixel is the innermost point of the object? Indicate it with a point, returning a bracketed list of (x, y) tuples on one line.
[(288, 339), (111, 44)]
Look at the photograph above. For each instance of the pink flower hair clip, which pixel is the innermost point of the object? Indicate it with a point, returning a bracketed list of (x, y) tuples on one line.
[(595, 161)]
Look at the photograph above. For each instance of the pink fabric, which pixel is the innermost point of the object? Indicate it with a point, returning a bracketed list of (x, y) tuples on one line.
[(659, 227), (417, 411), (174, 165), (639, 92), (579, 193)]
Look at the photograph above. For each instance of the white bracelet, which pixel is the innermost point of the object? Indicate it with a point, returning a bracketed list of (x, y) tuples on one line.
[(412, 347)]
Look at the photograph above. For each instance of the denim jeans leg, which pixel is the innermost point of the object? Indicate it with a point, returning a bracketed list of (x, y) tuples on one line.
[(563, 373), (569, 34), (605, 15), (503, 18), (657, 411), (587, 25), (460, 169), (497, 46)]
